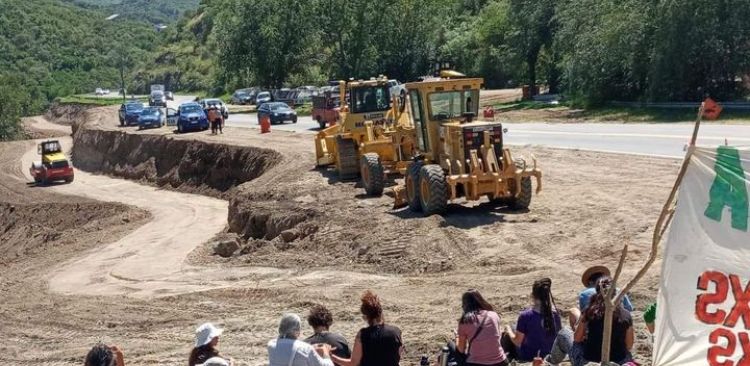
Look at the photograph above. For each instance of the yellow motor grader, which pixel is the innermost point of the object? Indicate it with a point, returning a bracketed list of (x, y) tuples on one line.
[(374, 137), (456, 155)]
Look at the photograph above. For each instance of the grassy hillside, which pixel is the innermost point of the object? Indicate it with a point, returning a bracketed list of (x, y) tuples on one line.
[(50, 48), (186, 59), (154, 11)]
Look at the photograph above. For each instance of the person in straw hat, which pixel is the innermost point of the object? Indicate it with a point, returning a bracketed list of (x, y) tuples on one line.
[(589, 278), (206, 340)]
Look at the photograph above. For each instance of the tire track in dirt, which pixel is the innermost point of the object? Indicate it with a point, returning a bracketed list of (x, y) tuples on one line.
[(150, 262)]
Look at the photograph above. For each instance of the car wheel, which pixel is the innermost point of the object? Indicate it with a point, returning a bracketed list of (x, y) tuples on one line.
[(179, 128)]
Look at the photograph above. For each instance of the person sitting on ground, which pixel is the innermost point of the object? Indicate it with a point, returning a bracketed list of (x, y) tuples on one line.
[(649, 316), (378, 344), (479, 331), (206, 341), (585, 345), (589, 280), (286, 350), (103, 355), (536, 328), (320, 319)]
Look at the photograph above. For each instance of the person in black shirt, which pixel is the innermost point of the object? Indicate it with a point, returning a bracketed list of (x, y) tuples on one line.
[(585, 345), (320, 319), (378, 344)]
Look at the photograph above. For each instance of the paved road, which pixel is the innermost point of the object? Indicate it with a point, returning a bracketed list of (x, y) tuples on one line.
[(667, 140)]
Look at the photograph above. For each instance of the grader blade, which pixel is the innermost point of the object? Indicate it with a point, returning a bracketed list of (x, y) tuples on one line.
[(399, 197)]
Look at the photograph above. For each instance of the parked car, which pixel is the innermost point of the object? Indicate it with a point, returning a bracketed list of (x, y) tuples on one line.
[(243, 96), (263, 97), (205, 103), (129, 113), (278, 112), (99, 91), (151, 117), (169, 95), (396, 87), (191, 117), (157, 99)]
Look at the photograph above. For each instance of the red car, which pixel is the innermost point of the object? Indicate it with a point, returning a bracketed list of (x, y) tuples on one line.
[(326, 109)]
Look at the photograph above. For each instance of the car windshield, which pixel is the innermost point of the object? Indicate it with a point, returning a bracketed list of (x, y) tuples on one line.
[(190, 109), (134, 107), (278, 107), (59, 164), (264, 95), (150, 112), (445, 105), (370, 99), (213, 101)]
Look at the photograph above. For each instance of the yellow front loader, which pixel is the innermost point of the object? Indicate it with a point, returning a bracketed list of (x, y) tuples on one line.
[(374, 137)]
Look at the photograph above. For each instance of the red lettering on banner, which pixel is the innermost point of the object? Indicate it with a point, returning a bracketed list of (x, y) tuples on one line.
[(745, 343), (716, 298), (740, 308), (715, 352)]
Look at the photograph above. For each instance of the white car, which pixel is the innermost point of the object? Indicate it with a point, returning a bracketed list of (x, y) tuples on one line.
[(396, 87), (99, 91), (205, 103)]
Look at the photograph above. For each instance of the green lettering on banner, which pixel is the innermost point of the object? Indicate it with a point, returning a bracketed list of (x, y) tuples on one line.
[(729, 188)]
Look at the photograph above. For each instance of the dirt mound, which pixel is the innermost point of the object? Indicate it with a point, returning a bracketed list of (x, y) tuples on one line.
[(28, 229), (67, 114), (190, 165)]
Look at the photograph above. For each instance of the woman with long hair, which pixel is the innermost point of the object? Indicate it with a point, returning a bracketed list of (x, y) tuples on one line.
[(585, 345), (479, 332), (378, 344), (537, 326)]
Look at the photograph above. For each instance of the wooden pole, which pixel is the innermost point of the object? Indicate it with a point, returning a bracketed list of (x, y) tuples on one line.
[(662, 223)]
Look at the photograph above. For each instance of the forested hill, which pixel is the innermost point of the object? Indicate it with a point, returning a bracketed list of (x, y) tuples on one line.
[(154, 11), (51, 48)]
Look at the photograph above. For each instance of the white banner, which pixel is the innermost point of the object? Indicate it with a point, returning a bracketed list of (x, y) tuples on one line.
[(703, 312)]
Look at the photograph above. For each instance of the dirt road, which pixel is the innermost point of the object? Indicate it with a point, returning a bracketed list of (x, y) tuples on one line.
[(592, 203)]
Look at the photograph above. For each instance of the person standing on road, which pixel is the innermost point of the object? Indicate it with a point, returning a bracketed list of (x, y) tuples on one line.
[(479, 332), (320, 319), (378, 344), (213, 118)]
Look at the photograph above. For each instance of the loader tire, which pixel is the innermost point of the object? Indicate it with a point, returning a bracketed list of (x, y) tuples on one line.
[(69, 180), (346, 159), (373, 175), (523, 199), (411, 181), (321, 122), (433, 190)]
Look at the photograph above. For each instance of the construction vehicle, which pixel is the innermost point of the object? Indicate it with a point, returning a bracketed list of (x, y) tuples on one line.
[(373, 138), (54, 166), (456, 155)]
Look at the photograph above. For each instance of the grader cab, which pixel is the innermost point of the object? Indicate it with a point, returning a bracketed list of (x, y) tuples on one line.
[(458, 155), (373, 139)]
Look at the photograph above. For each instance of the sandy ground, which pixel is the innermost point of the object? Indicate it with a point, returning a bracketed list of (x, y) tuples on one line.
[(591, 205)]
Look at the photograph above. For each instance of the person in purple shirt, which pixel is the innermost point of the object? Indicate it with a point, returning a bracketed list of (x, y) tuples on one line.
[(536, 328)]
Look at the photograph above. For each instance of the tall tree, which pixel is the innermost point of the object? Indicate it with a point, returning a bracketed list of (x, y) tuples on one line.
[(270, 39), (533, 29)]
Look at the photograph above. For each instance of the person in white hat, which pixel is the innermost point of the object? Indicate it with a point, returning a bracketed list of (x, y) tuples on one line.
[(215, 361), (287, 350), (206, 340)]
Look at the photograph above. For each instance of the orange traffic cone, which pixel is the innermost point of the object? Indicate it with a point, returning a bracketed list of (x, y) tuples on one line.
[(265, 124)]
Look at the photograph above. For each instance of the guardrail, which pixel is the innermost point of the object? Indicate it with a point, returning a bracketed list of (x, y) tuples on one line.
[(739, 106)]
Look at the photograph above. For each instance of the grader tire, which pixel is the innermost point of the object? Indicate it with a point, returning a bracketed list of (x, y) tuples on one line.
[(523, 199), (412, 186), (433, 190), (346, 158), (373, 175)]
